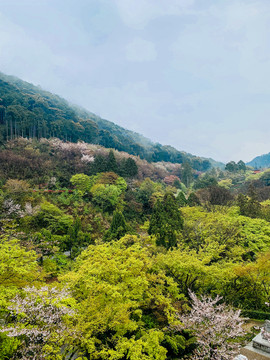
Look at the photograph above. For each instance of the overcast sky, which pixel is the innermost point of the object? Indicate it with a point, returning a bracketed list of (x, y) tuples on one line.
[(194, 74)]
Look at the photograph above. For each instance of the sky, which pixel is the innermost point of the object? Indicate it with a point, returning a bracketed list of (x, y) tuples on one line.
[(194, 74)]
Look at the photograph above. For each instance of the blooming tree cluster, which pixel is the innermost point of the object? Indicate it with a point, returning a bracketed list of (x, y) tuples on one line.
[(11, 208), (216, 327), (39, 321)]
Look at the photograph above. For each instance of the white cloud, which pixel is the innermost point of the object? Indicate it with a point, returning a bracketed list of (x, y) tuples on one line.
[(140, 50), (137, 13), (25, 56)]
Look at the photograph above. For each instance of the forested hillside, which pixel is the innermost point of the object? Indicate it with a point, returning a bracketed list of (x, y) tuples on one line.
[(262, 161), (106, 256), (29, 111)]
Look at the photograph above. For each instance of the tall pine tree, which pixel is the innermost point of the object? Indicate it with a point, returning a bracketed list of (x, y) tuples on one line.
[(166, 221)]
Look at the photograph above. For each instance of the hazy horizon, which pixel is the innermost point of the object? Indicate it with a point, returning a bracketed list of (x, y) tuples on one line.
[(180, 73)]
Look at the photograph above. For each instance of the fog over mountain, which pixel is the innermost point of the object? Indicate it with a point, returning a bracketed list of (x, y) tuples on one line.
[(186, 73)]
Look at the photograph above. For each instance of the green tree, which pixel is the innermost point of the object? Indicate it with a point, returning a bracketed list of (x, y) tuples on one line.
[(187, 174), (125, 301), (231, 166), (181, 199), (241, 165), (106, 196), (129, 167), (118, 227), (166, 221), (111, 162), (193, 200), (82, 183)]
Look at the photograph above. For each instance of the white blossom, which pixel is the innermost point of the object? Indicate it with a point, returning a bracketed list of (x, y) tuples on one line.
[(216, 327), (38, 315), (29, 210), (87, 158), (11, 209)]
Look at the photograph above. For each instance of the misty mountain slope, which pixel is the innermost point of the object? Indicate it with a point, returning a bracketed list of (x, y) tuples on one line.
[(29, 111), (262, 161)]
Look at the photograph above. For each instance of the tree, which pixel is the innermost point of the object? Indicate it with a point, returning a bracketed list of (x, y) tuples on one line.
[(82, 183), (118, 227), (106, 196), (219, 195), (111, 162), (193, 200), (18, 190), (39, 323), (205, 181), (129, 167), (187, 174), (181, 199), (166, 221), (249, 206), (231, 166), (241, 165), (125, 301), (216, 327), (146, 190)]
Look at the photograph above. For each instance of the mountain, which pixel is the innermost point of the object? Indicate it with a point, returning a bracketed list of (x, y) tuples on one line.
[(29, 111), (262, 161)]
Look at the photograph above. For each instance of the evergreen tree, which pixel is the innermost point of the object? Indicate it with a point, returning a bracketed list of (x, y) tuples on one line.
[(111, 163), (181, 199), (73, 235), (166, 221), (99, 164), (187, 175), (129, 168), (118, 227)]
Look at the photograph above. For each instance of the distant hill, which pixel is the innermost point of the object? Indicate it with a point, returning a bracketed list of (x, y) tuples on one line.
[(262, 161), (29, 111)]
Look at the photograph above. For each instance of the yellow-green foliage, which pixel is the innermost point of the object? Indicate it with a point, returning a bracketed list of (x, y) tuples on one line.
[(239, 234), (18, 268), (226, 183), (117, 284)]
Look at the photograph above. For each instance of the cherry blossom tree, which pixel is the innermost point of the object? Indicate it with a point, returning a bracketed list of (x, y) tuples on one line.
[(216, 327), (39, 322)]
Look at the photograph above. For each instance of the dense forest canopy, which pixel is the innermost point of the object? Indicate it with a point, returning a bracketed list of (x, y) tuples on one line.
[(104, 255), (29, 111), (115, 248)]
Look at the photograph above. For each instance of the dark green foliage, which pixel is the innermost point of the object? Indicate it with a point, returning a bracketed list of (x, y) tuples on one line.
[(111, 163), (187, 174), (193, 200), (178, 344), (118, 227), (181, 199), (241, 165), (256, 314), (205, 181), (29, 111), (99, 165), (166, 221), (177, 184), (200, 165), (73, 233), (233, 167), (129, 168)]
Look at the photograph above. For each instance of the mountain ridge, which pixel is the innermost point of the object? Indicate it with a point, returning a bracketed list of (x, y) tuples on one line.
[(260, 161), (28, 110)]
